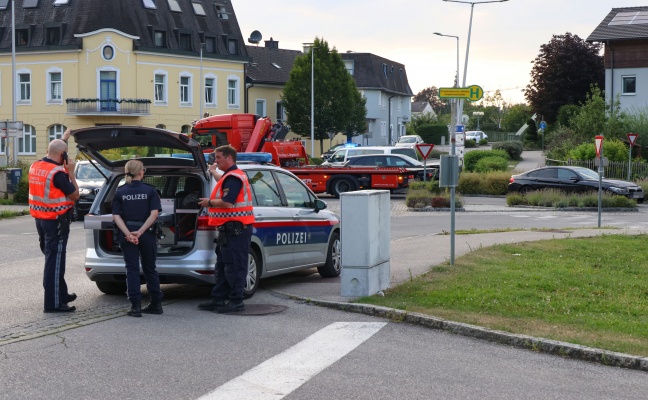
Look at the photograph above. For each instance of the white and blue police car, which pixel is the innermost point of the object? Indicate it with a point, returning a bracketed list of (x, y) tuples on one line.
[(293, 228)]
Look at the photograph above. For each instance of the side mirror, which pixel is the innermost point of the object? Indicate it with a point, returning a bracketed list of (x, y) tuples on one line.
[(320, 205)]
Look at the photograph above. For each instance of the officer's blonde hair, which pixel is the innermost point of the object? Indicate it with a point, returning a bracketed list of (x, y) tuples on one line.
[(132, 168)]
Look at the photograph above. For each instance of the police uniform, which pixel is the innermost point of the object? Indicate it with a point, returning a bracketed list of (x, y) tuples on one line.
[(234, 235), (49, 186), (134, 202)]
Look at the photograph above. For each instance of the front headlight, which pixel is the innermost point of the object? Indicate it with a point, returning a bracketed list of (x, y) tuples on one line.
[(84, 191), (618, 190)]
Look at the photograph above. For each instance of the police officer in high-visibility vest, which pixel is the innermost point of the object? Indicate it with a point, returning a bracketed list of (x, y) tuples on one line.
[(230, 209), (135, 208), (52, 193)]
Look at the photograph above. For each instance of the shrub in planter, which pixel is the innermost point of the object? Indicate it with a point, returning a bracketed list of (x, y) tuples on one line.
[(490, 183), (469, 143), (513, 149), (488, 164), (417, 198), (471, 157), (429, 186)]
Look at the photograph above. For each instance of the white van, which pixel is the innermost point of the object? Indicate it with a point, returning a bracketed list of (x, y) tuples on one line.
[(342, 155)]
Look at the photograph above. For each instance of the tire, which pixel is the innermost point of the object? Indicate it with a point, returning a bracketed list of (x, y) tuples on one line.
[(253, 275), (525, 190), (342, 185), (113, 288), (333, 265)]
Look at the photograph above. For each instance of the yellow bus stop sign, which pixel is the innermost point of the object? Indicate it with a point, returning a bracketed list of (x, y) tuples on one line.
[(471, 93)]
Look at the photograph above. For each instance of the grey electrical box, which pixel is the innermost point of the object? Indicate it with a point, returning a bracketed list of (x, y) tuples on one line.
[(449, 171)]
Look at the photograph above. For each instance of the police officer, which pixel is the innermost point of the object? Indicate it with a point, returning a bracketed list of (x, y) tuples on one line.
[(52, 193), (230, 209), (135, 208)]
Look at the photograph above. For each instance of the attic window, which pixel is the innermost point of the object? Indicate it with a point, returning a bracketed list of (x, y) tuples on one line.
[(198, 8), (30, 3), (384, 66), (276, 65), (4, 4), (220, 10), (174, 6), (630, 18), (61, 2), (149, 4), (53, 36)]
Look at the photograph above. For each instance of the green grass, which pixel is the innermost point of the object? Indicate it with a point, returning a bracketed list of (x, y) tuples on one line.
[(4, 214), (589, 291)]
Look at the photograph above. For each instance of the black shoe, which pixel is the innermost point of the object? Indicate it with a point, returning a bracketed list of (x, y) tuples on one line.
[(62, 308), (135, 311), (230, 307), (211, 305), (71, 297), (153, 308)]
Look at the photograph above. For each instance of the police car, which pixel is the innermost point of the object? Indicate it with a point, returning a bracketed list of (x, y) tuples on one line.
[(293, 229)]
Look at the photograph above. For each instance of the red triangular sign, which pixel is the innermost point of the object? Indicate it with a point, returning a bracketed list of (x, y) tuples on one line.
[(599, 142), (424, 149), (632, 138)]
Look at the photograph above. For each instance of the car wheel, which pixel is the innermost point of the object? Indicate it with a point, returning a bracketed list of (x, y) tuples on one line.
[(640, 201), (253, 275), (333, 264), (342, 185), (112, 287), (525, 189)]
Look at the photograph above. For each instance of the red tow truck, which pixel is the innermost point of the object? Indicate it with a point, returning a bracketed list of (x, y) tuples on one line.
[(249, 133)]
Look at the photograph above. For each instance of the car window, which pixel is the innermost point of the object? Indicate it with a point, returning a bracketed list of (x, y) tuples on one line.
[(339, 156), (396, 162), (565, 174), (405, 151), (546, 173), (87, 171), (296, 194), (264, 189)]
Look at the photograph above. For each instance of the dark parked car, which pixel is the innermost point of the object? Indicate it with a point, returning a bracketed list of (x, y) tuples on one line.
[(395, 160), (328, 153), (573, 180)]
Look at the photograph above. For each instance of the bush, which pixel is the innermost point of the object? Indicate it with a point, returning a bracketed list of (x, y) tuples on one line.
[(489, 183), (432, 133), (22, 194), (613, 149), (469, 144), (558, 199), (430, 186), (512, 148), (488, 164), (418, 198), (471, 157), (483, 142)]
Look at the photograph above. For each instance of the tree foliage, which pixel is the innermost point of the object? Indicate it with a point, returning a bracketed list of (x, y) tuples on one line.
[(562, 74), (595, 117), (339, 106), (431, 95), (515, 116)]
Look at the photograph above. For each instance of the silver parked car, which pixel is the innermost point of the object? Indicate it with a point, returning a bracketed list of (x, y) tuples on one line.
[(90, 177), (293, 229)]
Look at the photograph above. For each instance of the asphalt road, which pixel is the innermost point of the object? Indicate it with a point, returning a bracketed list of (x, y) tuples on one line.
[(304, 352)]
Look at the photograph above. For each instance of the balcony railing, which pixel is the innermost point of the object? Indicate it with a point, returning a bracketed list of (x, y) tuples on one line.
[(121, 107)]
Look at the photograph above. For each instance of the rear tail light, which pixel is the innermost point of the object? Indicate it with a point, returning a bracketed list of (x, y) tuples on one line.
[(203, 224), (511, 180), (410, 177)]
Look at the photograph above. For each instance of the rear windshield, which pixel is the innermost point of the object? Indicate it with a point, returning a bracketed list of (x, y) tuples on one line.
[(126, 153), (405, 151)]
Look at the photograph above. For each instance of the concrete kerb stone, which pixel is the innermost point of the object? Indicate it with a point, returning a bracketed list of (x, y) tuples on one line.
[(542, 345)]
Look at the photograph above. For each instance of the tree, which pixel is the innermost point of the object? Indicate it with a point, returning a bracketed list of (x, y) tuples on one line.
[(338, 107), (515, 116), (431, 95), (562, 74)]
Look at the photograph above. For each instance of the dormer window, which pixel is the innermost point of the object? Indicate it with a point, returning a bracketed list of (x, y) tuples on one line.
[(232, 46), (210, 44), (221, 12), (159, 38), (30, 3), (22, 37), (174, 6), (150, 4), (184, 40), (384, 67), (198, 8), (53, 36)]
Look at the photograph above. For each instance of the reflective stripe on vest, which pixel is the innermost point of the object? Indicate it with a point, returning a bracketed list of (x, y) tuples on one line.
[(242, 209), (46, 201)]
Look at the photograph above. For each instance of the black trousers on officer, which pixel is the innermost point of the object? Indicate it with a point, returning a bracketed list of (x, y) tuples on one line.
[(232, 266), (53, 237), (147, 249)]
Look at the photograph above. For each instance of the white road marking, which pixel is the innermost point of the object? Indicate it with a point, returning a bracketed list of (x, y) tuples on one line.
[(278, 376)]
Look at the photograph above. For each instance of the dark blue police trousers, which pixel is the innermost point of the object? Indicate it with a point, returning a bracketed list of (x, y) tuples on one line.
[(53, 237), (147, 248), (232, 266)]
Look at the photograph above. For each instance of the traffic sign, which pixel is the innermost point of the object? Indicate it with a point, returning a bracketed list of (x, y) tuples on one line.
[(543, 125), (424, 149), (471, 93), (598, 140), (632, 138)]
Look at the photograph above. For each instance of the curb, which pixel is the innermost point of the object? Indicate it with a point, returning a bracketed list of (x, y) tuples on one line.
[(543, 345)]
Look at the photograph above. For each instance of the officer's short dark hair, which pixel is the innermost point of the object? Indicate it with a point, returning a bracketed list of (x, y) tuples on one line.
[(227, 151)]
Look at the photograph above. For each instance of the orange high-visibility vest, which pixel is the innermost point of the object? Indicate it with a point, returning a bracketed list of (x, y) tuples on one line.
[(241, 211), (45, 200)]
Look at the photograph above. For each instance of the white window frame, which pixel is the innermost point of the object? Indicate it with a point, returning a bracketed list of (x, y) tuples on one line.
[(214, 101), (165, 88), (29, 134), (280, 107), (262, 103), (233, 93), (623, 92), (383, 129), (188, 88), (19, 87), (50, 92), (55, 131), (350, 66)]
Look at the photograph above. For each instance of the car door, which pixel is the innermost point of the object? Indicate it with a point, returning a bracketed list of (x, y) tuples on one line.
[(309, 231), (569, 181), (545, 179), (272, 219)]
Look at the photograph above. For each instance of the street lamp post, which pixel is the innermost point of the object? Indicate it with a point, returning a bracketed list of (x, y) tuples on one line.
[(312, 119), (202, 82)]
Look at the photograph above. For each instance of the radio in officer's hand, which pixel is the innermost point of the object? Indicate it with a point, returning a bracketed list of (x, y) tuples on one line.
[(65, 157)]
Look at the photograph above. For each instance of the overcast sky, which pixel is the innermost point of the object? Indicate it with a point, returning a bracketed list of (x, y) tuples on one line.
[(506, 37)]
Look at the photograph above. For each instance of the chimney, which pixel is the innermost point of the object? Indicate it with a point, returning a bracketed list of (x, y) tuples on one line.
[(272, 44)]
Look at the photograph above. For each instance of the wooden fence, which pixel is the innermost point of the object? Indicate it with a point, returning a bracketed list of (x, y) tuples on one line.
[(614, 169)]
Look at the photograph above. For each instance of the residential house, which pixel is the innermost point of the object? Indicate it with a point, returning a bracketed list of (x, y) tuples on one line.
[(422, 108), (384, 84), (81, 63), (624, 33)]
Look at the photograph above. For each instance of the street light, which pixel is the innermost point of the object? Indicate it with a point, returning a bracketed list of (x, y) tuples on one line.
[(478, 114), (312, 50), (456, 116), (456, 37)]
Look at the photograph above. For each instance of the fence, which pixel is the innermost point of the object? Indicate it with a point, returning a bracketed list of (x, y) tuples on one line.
[(614, 169), (503, 137)]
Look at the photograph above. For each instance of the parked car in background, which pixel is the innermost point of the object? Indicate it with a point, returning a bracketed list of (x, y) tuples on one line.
[(572, 180), (409, 141), (396, 160), (477, 136), (328, 153), (342, 155), (90, 177)]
